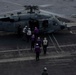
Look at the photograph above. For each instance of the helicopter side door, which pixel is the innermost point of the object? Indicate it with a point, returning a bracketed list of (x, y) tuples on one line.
[(33, 24), (45, 25)]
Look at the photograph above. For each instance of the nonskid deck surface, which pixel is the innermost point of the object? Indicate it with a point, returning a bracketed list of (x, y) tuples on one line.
[(23, 62), (12, 46)]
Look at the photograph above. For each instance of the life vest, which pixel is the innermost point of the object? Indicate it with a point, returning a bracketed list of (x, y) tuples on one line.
[(45, 42), (29, 32), (37, 49)]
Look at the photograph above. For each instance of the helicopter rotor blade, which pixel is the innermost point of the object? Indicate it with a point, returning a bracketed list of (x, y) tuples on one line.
[(26, 7), (59, 16), (45, 12), (45, 5), (13, 11), (11, 2)]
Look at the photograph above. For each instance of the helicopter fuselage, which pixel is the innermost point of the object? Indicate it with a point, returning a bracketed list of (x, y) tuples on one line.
[(46, 24)]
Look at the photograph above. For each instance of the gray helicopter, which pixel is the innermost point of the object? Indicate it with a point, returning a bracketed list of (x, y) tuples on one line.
[(33, 17)]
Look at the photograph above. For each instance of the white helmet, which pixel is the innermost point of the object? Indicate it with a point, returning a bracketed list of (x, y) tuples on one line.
[(45, 69), (36, 43)]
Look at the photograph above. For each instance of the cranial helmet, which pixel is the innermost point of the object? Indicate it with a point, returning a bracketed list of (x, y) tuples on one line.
[(36, 43), (45, 69)]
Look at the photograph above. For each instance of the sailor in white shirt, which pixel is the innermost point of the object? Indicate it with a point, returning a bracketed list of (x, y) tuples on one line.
[(24, 32), (28, 34), (45, 44)]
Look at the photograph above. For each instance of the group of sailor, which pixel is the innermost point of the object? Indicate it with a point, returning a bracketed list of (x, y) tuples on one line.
[(36, 41)]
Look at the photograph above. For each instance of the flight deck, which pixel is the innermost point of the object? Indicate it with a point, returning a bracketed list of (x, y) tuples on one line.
[(12, 46), (16, 58)]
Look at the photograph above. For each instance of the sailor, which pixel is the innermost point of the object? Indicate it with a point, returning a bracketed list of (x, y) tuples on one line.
[(32, 41), (45, 71), (24, 32), (45, 44), (37, 51), (36, 32), (39, 41), (28, 34), (19, 30)]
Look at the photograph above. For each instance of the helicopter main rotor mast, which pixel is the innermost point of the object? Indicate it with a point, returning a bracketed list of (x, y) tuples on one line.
[(32, 9)]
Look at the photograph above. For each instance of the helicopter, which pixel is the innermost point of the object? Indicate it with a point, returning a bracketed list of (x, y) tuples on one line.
[(33, 17)]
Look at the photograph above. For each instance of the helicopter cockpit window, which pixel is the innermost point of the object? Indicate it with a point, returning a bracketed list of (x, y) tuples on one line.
[(54, 23), (45, 24)]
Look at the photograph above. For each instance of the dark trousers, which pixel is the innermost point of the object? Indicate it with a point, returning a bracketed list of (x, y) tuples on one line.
[(19, 32), (24, 36), (45, 48), (32, 44), (37, 56), (28, 38), (36, 35)]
